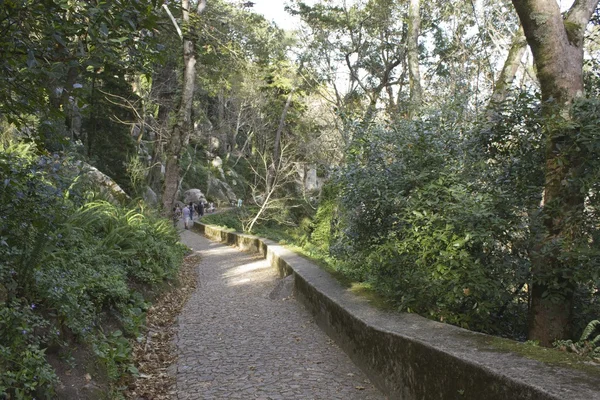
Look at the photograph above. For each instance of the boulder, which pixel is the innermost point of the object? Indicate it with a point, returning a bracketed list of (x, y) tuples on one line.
[(311, 180), (193, 196), (214, 144), (150, 197), (221, 192), (105, 184)]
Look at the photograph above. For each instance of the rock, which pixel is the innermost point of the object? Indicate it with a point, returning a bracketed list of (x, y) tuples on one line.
[(107, 186), (311, 181), (214, 144), (308, 175), (221, 192), (150, 197), (232, 174), (193, 196), (222, 174)]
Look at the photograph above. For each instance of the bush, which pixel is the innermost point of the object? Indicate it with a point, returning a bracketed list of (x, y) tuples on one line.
[(445, 222), (69, 263), (440, 221)]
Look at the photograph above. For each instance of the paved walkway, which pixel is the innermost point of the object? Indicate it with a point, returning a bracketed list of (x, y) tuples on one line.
[(235, 342)]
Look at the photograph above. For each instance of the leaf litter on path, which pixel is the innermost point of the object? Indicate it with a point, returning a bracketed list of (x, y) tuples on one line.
[(155, 356)]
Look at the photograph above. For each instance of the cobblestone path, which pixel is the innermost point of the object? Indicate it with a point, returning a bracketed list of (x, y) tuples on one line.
[(235, 342)]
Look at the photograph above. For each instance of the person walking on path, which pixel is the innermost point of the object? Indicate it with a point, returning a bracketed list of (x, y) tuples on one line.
[(186, 217)]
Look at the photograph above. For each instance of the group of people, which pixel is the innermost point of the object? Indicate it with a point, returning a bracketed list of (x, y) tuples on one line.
[(187, 213)]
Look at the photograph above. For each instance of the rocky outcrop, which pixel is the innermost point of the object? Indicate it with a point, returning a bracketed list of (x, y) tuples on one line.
[(107, 186), (220, 191), (193, 196), (151, 197), (310, 182)]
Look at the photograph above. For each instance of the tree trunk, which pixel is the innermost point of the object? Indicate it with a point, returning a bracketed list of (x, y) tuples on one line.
[(557, 47), (222, 127), (163, 89), (180, 134), (414, 26), (507, 76), (60, 92), (510, 68)]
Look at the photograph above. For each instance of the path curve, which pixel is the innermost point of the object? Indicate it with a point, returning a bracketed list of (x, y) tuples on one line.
[(235, 342)]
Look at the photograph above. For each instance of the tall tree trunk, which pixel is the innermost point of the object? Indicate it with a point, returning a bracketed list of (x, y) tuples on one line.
[(222, 127), (180, 134), (557, 47), (414, 26), (510, 68), (507, 76), (60, 91), (163, 90)]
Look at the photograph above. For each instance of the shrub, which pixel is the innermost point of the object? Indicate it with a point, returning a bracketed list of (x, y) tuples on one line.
[(441, 224), (69, 263)]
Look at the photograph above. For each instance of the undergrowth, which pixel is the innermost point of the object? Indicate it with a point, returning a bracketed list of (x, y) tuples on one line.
[(71, 265)]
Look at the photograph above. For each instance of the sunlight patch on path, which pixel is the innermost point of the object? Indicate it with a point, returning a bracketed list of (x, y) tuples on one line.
[(235, 342)]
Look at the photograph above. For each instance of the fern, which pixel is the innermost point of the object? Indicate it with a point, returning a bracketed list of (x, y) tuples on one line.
[(588, 331), (586, 346)]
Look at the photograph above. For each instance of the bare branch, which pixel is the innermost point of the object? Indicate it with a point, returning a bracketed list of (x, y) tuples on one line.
[(173, 20)]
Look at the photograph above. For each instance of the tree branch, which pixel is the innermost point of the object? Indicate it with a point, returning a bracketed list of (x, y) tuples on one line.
[(578, 16), (580, 12), (173, 20)]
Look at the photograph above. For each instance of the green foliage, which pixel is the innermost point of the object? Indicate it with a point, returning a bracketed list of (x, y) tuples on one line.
[(197, 170), (439, 221), (114, 351), (229, 220), (45, 44), (106, 139), (588, 345), (446, 223), (323, 230), (24, 371), (272, 230), (67, 264)]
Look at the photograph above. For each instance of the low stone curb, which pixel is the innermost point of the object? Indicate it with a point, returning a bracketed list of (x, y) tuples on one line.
[(408, 356)]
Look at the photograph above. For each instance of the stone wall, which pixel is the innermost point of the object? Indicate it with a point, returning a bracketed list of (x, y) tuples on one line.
[(410, 357)]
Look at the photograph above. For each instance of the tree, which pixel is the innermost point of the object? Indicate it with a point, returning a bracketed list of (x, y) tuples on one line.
[(556, 42), (46, 46), (509, 70), (414, 26), (180, 134), (364, 41)]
